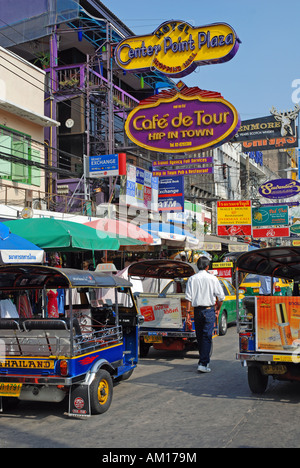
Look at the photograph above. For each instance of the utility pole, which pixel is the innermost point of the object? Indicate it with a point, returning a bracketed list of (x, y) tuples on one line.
[(247, 185), (110, 104)]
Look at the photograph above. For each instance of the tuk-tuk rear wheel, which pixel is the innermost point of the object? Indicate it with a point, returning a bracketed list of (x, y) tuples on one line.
[(101, 392), (257, 381)]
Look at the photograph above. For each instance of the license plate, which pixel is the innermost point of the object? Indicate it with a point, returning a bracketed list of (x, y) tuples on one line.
[(10, 389), (270, 369), (153, 339)]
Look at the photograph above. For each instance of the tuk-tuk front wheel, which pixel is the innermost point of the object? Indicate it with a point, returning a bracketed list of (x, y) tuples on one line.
[(223, 323), (101, 392), (257, 381)]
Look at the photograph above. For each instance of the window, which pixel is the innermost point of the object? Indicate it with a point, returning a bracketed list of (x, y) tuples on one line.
[(18, 145), (251, 278), (224, 288), (230, 287)]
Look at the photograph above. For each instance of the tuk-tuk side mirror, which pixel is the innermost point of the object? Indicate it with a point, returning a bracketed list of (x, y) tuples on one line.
[(141, 319)]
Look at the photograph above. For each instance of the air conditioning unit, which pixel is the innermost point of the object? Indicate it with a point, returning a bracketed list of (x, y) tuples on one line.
[(38, 204), (106, 210)]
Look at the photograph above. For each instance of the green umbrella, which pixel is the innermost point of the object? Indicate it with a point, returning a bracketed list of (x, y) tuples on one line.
[(127, 240), (64, 236)]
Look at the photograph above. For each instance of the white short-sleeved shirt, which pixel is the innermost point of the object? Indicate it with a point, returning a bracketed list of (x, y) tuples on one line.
[(203, 288)]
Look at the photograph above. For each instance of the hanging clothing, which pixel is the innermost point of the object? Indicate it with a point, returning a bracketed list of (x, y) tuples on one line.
[(52, 304), (8, 309), (24, 306), (61, 301)]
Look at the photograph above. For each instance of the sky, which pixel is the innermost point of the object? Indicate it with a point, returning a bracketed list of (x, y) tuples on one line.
[(264, 73)]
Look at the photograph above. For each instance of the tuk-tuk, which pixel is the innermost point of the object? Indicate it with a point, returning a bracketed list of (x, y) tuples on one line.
[(78, 351), (269, 326), (166, 326)]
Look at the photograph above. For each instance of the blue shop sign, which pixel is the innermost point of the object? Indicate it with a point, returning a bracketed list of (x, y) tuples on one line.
[(104, 165)]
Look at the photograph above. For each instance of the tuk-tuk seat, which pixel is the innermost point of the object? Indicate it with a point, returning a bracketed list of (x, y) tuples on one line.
[(38, 336)]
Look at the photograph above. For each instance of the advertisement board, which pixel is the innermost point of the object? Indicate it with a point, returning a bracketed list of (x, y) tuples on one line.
[(280, 188), (160, 312), (271, 232), (176, 48), (107, 165), (176, 122), (264, 133), (277, 323), (234, 218), (171, 194), (139, 188), (182, 172), (224, 269), (270, 215), (182, 162)]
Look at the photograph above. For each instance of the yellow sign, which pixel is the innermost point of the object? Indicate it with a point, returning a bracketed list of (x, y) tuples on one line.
[(222, 265), (176, 48), (234, 212), (27, 363), (296, 243)]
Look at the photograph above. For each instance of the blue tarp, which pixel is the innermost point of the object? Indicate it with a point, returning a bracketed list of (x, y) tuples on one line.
[(169, 231), (15, 249)]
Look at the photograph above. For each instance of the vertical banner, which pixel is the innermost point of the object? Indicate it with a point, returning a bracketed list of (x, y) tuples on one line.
[(171, 194), (139, 188)]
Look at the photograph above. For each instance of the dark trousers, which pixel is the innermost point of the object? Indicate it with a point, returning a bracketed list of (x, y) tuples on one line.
[(204, 318)]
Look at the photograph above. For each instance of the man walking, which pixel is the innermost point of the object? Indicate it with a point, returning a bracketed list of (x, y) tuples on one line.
[(205, 294)]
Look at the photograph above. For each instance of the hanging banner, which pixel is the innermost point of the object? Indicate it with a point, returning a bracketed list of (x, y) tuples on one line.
[(182, 172), (182, 162), (176, 48), (176, 122)]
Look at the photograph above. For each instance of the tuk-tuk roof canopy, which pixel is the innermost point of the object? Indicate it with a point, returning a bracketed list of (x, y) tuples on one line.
[(281, 262), (167, 269), (16, 277)]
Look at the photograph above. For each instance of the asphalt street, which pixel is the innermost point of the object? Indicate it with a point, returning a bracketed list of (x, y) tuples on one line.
[(167, 404)]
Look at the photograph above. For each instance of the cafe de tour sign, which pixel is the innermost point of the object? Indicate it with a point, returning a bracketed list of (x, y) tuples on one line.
[(176, 48), (178, 121)]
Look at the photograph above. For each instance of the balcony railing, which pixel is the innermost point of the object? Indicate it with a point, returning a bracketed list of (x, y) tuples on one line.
[(70, 78), (12, 195)]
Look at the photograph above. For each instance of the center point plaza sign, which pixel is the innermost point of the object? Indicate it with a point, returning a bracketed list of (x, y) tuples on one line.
[(176, 48), (188, 120)]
